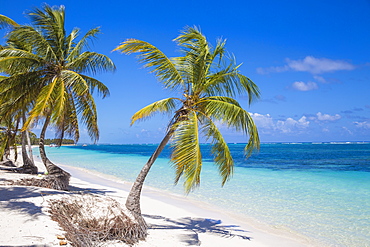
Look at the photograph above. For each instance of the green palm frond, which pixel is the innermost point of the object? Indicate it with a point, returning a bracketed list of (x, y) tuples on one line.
[(186, 155), (154, 59), (196, 63), (220, 150), (40, 44), (51, 21), (43, 102), (91, 62), (193, 42), (19, 84), (71, 44), (164, 105), (85, 106), (229, 112), (74, 82), (58, 99), (94, 84), (67, 124), (75, 50), (15, 61), (230, 82), (6, 22)]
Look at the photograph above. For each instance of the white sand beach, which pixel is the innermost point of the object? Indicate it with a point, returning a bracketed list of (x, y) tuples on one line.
[(174, 220)]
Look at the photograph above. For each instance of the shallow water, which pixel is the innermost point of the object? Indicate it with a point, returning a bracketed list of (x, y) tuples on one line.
[(318, 190)]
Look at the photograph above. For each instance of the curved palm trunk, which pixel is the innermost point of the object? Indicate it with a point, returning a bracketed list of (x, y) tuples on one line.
[(28, 164), (59, 176), (30, 154), (133, 199)]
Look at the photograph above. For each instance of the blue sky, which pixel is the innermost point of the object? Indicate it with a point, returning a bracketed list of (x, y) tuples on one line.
[(310, 59)]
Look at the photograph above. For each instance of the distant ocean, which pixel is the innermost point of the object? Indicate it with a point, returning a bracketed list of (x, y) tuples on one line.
[(320, 190)]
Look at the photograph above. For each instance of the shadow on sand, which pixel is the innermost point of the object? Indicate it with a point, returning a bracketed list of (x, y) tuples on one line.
[(9, 197), (196, 226)]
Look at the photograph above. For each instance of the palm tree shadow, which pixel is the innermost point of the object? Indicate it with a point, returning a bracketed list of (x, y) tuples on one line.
[(81, 190), (196, 226)]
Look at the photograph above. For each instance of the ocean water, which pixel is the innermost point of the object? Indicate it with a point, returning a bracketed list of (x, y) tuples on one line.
[(319, 190)]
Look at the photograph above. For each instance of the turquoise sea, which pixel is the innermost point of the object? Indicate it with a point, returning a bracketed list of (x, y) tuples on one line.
[(320, 190)]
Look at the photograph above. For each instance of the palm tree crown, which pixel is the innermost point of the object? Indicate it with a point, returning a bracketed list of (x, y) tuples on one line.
[(209, 81), (47, 70)]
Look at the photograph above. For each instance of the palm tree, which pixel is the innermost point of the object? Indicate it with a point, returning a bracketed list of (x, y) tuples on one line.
[(208, 80), (8, 131), (9, 104), (50, 76)]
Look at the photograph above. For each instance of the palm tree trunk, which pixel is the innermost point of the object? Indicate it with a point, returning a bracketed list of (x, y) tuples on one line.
[(13, 142), (30, 154), (61, 177), (133, 199), (28, 165)]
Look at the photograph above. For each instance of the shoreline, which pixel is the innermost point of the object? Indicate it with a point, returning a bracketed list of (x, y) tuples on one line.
[(175, 220), (260, 234)]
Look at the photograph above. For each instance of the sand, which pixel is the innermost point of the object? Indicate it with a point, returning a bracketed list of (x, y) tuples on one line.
[(174, 220)]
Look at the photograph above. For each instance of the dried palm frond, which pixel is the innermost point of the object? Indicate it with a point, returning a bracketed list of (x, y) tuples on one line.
[(91, 220)]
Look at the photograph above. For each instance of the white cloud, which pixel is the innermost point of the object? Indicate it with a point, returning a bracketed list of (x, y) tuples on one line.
[(310, 64), (278, 69), (319, 65), (263, 121), (266, 123), (346, 130), (320, 79), (291, 125), (302, 86), (363, 125), (327, 117)]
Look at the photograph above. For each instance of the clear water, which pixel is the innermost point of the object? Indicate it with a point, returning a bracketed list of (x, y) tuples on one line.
[(319, 190)]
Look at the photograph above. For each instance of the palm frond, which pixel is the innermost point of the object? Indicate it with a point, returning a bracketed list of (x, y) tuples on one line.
[(6, 22), (51, 21), (154, 59), (164, 105), (85, 106), (186, 155), (71, 44), (91, 62), (41, 46), (75, 50), (196, 62), (220, 150), (94, 84), (230, 82), (43, 102), (67, 125), (229, 112), (59, 98), (74, 82), (14, 61)]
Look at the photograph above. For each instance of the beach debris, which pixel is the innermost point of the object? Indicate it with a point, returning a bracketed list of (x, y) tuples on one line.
[(63, 242), (56, 182), (91, 220)]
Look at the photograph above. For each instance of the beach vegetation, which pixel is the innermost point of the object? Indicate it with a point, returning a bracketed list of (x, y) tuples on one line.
[(208, 80), (46, 72), (93, 220)]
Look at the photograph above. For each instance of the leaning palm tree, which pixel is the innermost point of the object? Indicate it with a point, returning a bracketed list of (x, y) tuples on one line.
[(208, 80), (53, 70), (10, 106)]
